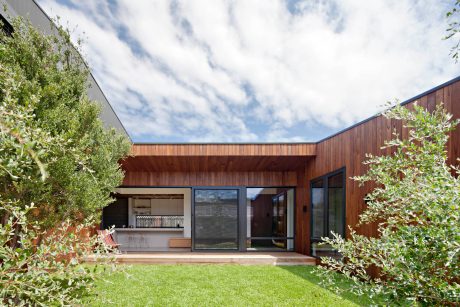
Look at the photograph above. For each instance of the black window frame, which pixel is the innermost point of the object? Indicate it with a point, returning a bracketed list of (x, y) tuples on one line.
[(325, 179)]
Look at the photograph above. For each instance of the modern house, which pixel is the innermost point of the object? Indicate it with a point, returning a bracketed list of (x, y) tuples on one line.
[(250, 197), (245, 197)]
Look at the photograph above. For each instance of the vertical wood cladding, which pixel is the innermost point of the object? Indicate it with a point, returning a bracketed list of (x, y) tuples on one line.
[(242, 178), (348, 149), (258, 150)]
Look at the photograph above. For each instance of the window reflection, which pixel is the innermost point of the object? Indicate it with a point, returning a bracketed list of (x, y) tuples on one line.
[(216, 219), (328, 211), (317, 197), (335, 204)]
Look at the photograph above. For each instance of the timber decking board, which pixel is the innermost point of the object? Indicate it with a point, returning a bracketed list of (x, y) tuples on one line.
[(245, 258)]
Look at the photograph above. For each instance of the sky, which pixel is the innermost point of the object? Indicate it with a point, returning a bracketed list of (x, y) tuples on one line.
[(257, 70)]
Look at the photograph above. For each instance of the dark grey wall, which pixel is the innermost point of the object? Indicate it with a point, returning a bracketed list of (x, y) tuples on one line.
[(116, 214)]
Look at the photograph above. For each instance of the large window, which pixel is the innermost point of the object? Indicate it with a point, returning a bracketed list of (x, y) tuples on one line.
[(327, 210), (270, 218)]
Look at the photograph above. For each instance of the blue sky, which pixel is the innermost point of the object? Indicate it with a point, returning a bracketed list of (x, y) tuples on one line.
[(257, 71)]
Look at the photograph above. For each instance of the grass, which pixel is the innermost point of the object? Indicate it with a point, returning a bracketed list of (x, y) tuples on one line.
[(216, 285)]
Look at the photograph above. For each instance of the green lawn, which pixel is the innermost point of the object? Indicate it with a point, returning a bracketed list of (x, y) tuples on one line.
[(216, 285)]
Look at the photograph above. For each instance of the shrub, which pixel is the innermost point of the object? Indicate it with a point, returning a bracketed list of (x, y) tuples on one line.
[(49, 272)]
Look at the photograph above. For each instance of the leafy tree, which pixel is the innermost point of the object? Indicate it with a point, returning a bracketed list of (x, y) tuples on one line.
[(45, 109), (58, 166), (416, 205)]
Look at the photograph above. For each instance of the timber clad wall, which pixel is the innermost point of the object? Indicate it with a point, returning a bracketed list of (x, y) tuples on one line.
[(210, 179), (348, 150), (216, 164), (283, 164)]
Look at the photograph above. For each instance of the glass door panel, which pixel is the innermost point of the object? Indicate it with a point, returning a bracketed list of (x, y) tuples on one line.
[(270, 218), (215, 219), (279, 216)]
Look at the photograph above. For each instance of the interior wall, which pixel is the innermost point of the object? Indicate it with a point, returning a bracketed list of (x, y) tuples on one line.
[(187, 213), (167, 206), (262, 212)]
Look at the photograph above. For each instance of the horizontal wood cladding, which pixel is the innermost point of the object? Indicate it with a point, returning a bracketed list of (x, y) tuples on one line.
[(299, 149), (210, 179), (348, 149)]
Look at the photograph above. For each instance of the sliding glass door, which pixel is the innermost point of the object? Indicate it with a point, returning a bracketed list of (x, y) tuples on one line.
[(243, 218), (215, 219)]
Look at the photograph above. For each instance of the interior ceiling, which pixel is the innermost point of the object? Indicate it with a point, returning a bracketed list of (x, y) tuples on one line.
[(213, 163), (158, 196)]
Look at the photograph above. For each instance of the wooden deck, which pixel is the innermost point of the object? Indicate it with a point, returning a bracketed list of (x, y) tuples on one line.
[(248, 258)]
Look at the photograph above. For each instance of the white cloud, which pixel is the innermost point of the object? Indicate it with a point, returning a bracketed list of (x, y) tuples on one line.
[(207, 70)]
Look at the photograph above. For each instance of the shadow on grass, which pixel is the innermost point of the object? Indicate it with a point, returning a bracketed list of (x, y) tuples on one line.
[(307, 273)]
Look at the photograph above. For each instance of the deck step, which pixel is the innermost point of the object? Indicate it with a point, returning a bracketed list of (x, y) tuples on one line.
[(294, 263), (250, 258)]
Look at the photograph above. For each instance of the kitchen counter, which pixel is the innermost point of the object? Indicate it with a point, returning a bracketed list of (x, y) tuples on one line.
[(146, 239), (149, 229)]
